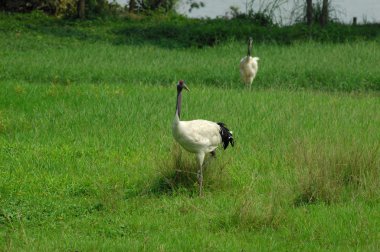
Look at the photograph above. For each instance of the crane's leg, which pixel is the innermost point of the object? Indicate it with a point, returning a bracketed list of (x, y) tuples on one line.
[(200, 157), (250, 82), (247, 86)]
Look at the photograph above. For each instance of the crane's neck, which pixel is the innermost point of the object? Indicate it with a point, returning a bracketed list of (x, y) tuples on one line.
[(249, 49), (179, 102)]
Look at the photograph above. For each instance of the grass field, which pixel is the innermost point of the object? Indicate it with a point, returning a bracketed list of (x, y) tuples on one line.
[(88, 163)]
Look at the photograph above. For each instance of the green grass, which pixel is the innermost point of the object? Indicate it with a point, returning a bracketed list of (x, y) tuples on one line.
[(87, 160), (80, 165), (306, 65), (46, 50)]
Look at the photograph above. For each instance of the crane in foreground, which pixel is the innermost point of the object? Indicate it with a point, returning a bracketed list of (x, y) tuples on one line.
[(199, 136), (249, 66)]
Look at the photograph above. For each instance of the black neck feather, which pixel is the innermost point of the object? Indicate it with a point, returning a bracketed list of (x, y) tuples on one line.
[(179, 102)]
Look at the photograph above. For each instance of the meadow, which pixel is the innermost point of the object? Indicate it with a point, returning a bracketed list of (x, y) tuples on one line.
[(88, 162)]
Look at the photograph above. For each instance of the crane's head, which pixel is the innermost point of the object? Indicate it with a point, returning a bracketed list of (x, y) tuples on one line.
[(181, 85)]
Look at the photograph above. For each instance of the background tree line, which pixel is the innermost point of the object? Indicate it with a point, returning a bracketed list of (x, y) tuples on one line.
[(82, 8), (307, 11)]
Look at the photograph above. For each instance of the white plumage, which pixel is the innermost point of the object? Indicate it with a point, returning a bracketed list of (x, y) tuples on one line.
[(199, 136), (249, 66)]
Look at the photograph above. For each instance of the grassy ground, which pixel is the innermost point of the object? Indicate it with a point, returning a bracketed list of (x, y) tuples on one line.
[(87, 160), (37, 57)]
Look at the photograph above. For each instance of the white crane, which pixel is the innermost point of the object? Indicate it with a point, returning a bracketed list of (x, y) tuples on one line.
[(199, 136), (248, 66)]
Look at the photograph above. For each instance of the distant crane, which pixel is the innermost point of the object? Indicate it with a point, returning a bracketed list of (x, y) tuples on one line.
[(248, 66), (199, 136)]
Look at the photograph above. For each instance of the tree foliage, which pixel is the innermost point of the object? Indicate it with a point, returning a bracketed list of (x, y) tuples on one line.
[(67, 8), (52, 7), (195, 4), (151, 5), (261, 13)]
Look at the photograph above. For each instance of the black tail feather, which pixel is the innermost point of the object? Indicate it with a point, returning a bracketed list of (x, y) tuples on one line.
[(226, 135)]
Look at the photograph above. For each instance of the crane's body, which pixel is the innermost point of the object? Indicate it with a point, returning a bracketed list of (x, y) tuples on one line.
[(199, 136), (248, 66)]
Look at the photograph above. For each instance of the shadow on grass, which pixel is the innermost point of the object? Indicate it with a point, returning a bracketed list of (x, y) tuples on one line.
[(178, 175), (178, 181)]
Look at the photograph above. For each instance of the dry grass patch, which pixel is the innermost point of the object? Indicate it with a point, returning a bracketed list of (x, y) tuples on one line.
[(258, 210), (331, 172)]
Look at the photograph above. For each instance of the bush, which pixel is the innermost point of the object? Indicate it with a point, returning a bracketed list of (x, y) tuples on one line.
[(207, 32), (57, 8), (62, 8)]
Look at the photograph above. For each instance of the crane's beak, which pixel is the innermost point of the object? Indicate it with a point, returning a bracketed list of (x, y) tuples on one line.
[(184, 85)]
